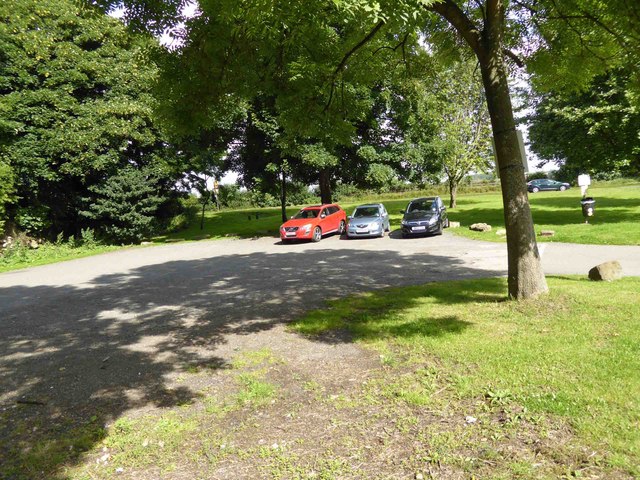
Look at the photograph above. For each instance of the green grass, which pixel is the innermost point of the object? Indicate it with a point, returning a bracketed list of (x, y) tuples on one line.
[(615, 223), (47, 253), (574, 354)]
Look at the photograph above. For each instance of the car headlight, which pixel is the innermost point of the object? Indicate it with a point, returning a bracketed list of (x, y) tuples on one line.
[(404, 222), (432, 220), (375, 225), (306, 227)]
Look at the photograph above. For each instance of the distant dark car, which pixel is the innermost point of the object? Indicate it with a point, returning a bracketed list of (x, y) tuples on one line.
[(424, 216), (534, 186)]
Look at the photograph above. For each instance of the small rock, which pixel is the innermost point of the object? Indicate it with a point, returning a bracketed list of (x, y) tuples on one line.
[(501, 231), (146, 243), (454, 224), (33, 244), (607, 271), (145, 443), (547, 233), (480, 227), (119, 470), (419, 476), (470, 420), (161, 444)]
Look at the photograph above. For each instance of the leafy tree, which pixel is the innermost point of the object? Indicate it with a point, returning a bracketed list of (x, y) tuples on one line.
[(592, 131), (124, 206), (6, 189), (463, 133), (75, 107)]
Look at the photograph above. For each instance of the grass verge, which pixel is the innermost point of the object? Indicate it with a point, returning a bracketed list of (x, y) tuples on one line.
[(574, 354)]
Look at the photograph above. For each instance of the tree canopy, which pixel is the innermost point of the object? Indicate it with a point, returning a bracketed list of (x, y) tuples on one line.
[(76, 106)]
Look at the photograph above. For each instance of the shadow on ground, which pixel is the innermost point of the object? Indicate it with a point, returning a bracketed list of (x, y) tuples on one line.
[(73, 358)]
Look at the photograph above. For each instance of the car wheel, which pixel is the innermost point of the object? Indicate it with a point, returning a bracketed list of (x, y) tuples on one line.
[(388, 229), (535, 190), (317, 235), (440, 227), (341, 228), (562, 188)]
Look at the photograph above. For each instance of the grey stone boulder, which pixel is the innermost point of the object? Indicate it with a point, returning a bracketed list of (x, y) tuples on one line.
[(501, 232), (547, 233), (607, 271), (480, 227), (454, 224)]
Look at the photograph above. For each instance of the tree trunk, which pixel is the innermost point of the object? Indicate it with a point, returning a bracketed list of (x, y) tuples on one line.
[(525, 278), (283, 195), (325, 186), (453, 192)]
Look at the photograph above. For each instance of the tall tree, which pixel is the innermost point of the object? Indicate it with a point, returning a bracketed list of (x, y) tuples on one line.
[(75, 90), (592, 131)]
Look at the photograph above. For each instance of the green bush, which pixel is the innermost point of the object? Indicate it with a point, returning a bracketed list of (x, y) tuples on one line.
[(124, 206), (189, 210)]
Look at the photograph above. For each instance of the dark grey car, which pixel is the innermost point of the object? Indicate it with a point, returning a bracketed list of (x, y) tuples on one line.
[(423, 216), (368, 221)]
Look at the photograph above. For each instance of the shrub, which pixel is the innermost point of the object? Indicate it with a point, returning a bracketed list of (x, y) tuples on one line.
[(124, 206), (189, 209)]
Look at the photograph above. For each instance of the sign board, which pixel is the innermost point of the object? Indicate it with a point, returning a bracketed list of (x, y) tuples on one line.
[(584, 180)]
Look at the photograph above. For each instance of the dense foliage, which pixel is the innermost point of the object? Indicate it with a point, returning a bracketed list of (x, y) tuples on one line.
[(593, 131), (75, 108)]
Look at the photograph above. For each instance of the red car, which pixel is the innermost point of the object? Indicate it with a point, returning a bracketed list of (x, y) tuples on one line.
[(311, 223)]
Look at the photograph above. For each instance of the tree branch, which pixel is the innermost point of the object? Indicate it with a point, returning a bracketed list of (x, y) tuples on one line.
[(451, 12), (516, 59), (343, 63)]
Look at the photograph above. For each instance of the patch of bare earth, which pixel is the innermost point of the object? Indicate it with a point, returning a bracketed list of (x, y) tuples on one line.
[(337, 411)]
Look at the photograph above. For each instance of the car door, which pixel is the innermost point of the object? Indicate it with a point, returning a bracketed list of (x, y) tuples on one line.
[(443, 212), (385, 218), (325, 220), (334, 217)]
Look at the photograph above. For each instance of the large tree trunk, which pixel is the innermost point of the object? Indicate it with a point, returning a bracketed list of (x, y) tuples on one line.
[(325, 186), (526, 278)]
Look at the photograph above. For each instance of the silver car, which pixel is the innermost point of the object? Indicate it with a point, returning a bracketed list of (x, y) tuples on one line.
[(368, 221)]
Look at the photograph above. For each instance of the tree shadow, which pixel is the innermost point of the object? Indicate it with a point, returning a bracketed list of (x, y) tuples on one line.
[(74, 357)]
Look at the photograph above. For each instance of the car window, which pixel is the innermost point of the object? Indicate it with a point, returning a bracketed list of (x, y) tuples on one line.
[(311, 213), (332, 210), (366, 212), (423, 205)]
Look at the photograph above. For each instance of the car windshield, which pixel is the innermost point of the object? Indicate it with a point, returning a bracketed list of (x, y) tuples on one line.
[(311, 213), (422, 206), (361, 212)]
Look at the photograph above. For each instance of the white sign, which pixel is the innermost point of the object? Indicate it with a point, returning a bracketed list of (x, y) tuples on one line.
[(584, 180)]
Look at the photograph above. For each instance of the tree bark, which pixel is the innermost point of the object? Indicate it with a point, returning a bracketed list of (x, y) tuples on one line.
[(325, 186), (453, 193), (525, 278)]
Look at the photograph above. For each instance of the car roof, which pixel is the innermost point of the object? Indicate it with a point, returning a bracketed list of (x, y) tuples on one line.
[(370, 205), (423, 198), (313, 207)]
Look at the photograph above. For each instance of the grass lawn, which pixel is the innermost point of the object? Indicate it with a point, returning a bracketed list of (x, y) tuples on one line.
[(456, 382), (573, 355), (615, 223)]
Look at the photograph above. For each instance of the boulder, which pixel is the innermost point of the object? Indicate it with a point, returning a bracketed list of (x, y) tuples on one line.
[(33, 244), (501, 231), (480, 227), (454, 224), (547, 233), (607, 271)]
